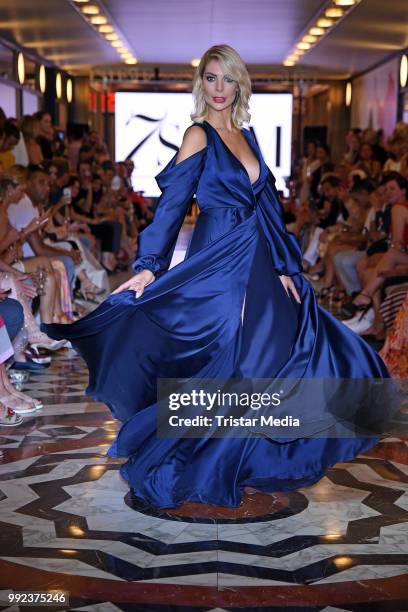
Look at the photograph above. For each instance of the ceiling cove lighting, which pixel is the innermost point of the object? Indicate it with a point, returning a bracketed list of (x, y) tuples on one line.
[(330, 16), (95, 16), (334, 12), (90, 9), (349, 91), (98, 20), (317, 31), (20, 68), (42, 78), (404, 71), (324, 23)]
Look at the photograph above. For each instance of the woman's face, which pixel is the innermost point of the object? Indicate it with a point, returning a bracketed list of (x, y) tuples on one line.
[(376, 198), (366, 152), (393, 193), (52, 173), (74, 189), (45, 124), (219, 88), (311, 149)]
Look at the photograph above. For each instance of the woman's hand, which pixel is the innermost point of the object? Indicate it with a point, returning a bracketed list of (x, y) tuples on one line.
[(137, 283), (289, 285)]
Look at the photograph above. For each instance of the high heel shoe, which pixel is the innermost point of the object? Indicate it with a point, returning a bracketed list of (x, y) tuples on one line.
[(326, 291), (350, 309)]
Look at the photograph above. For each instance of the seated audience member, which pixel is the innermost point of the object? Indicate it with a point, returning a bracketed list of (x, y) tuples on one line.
[(30, 128), (11, 136)]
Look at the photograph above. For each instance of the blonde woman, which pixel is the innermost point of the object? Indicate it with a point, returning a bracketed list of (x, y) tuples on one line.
[(237, 307), (30, 128)]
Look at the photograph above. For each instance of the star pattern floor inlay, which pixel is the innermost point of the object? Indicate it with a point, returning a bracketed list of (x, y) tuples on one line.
[(68, 522)]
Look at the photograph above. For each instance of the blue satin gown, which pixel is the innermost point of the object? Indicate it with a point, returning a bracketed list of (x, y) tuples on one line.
[(188, 323)]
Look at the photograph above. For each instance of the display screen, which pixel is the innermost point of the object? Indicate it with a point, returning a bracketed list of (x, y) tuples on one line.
[(149, 128)]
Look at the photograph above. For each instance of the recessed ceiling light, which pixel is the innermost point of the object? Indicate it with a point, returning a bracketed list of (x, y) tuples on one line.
[(324, 23), (90, 9), (127, 55), (298, 52), (345, 2), (81, 1), (303, 45), (316, 31), (122, 50), (106, 29), (116, 43), (131, 60), (112, 36), (195, 62), (98, 20), (288, 63), (308, 38), (335, 12)]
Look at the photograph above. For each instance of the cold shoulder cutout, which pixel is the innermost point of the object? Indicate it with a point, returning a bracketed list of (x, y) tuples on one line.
[(194, 141)]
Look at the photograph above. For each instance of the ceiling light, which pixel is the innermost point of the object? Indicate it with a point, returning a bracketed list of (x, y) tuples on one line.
[(42, 78), (404, 71), (69, 91), (20, 68), (195, 62), (106, 29), (112, 36), (292, 58), (335, 12), (81, 1), (58, 85), (349, 90), (303, 45), (127, 55), (98, 20), (345, 2), (316, 31), (132, 60), (288, 63), (90, 9), (116, 43), (324, 23), (309, 38), (298, 52), (122, 50)]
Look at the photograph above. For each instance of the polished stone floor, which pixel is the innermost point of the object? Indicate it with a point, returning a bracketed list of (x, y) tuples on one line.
[(68, 523)]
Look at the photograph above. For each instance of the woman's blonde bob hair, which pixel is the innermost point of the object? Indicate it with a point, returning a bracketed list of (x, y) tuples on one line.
[(234, 67)]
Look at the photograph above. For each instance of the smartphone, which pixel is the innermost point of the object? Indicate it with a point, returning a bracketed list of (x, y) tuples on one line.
[(66, 192), (115, 185)]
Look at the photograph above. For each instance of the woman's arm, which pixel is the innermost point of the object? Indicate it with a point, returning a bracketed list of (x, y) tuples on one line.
[(178, 182)]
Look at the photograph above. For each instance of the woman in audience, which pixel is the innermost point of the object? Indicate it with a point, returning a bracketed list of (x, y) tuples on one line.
[(30, 127)]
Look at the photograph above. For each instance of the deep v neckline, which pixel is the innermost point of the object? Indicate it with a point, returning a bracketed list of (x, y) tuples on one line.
[(236, 158)]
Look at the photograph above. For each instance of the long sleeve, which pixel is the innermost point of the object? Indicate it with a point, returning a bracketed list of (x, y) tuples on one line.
[(283, 245), (178, 183)]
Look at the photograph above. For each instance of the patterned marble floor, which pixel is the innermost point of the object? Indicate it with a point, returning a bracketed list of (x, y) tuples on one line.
[(68, 522)]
